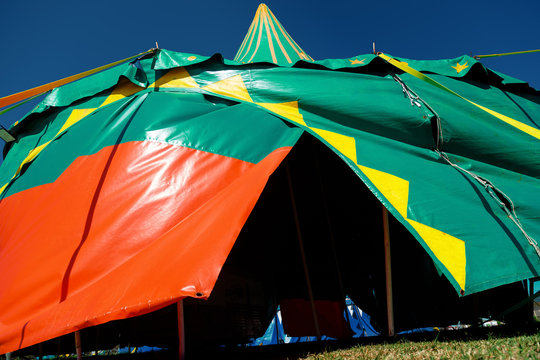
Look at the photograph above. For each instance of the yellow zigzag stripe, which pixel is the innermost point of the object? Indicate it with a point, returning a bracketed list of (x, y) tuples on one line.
[(123, 89), (288, 110), (231, 87), (175, 78), (448, 249), (517, 124)]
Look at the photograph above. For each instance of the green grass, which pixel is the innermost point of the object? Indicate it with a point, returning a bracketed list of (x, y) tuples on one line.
[(518, 347)]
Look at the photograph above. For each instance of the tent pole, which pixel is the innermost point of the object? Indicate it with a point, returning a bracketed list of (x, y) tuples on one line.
[(388, 272), (8, 356), (531, 303), (302, 252), (181, 333), (78, 346)]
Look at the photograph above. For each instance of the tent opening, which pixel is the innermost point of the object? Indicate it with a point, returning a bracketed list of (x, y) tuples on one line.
[(340, 222)]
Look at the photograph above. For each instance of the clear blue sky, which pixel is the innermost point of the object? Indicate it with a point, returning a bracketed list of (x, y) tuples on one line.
[(43, 41)]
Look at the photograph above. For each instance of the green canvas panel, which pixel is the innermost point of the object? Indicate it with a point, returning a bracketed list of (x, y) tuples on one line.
[(457, 67), (188, 120), (391, 135), (167, 59)]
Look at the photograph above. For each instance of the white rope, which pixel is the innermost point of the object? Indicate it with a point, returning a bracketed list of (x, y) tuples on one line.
[(491, 189), (488, 185), (418, 101)]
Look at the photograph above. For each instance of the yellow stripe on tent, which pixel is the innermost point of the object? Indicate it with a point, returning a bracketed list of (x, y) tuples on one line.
[(277, 39), (517, 124), (289, 39), (448, 249), (258, 41), (256, 22), (244, 42), (269, 37)]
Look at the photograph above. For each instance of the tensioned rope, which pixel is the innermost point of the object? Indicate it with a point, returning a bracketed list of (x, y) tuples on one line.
[(504, 54), (19, 104), (406, 68), (39, 90), (491, 189)]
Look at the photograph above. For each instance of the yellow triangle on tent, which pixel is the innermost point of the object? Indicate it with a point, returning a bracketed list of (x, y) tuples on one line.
[(394, 189), (448, 249), (75, 116), (124, 89), (175, 78), (289, 110), (233, 87), (344, 144)]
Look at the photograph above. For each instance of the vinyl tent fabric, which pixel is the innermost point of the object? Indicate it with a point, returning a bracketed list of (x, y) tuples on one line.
[(126, 190)]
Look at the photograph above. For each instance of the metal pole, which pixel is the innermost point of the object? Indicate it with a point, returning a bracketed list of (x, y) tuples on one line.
[(8, 356), (181, 333), (301, 245), (78, 346), (388, 271)]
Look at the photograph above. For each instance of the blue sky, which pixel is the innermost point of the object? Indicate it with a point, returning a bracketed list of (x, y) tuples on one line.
[(43, 41)]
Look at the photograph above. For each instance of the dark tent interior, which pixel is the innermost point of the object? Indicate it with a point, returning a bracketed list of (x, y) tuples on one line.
[(316, 197)]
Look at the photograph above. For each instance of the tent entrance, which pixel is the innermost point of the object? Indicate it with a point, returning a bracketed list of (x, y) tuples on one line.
[(264, 270), (338, 215)]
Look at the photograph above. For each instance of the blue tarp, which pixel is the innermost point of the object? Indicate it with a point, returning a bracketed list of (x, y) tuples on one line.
[(358, 320)]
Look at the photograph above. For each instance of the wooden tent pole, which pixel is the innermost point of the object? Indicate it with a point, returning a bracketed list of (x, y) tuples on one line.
[(302, 252), (388, 272), (78, 346), (181, 331)]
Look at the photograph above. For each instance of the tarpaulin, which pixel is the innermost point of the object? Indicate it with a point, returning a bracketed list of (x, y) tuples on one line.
[(126, 190)]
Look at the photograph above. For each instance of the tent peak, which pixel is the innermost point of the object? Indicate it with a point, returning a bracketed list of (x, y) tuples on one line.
[(268, 41)]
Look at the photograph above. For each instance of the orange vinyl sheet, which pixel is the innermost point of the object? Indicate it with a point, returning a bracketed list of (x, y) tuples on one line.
[(120, 233)]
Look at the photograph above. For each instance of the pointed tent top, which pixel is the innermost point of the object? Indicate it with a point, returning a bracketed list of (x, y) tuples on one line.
[(268, 41)]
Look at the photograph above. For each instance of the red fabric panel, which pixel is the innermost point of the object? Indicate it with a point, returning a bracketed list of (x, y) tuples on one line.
[(297, 318), (123, 232)]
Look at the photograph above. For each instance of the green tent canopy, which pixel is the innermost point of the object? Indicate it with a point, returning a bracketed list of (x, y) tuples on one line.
[(125, 191)]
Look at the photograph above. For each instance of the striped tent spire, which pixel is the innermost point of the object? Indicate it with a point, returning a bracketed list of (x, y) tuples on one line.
[(268, 41)]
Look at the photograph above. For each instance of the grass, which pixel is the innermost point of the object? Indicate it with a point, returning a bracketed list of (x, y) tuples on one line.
[(517, 347), (499, 342)]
